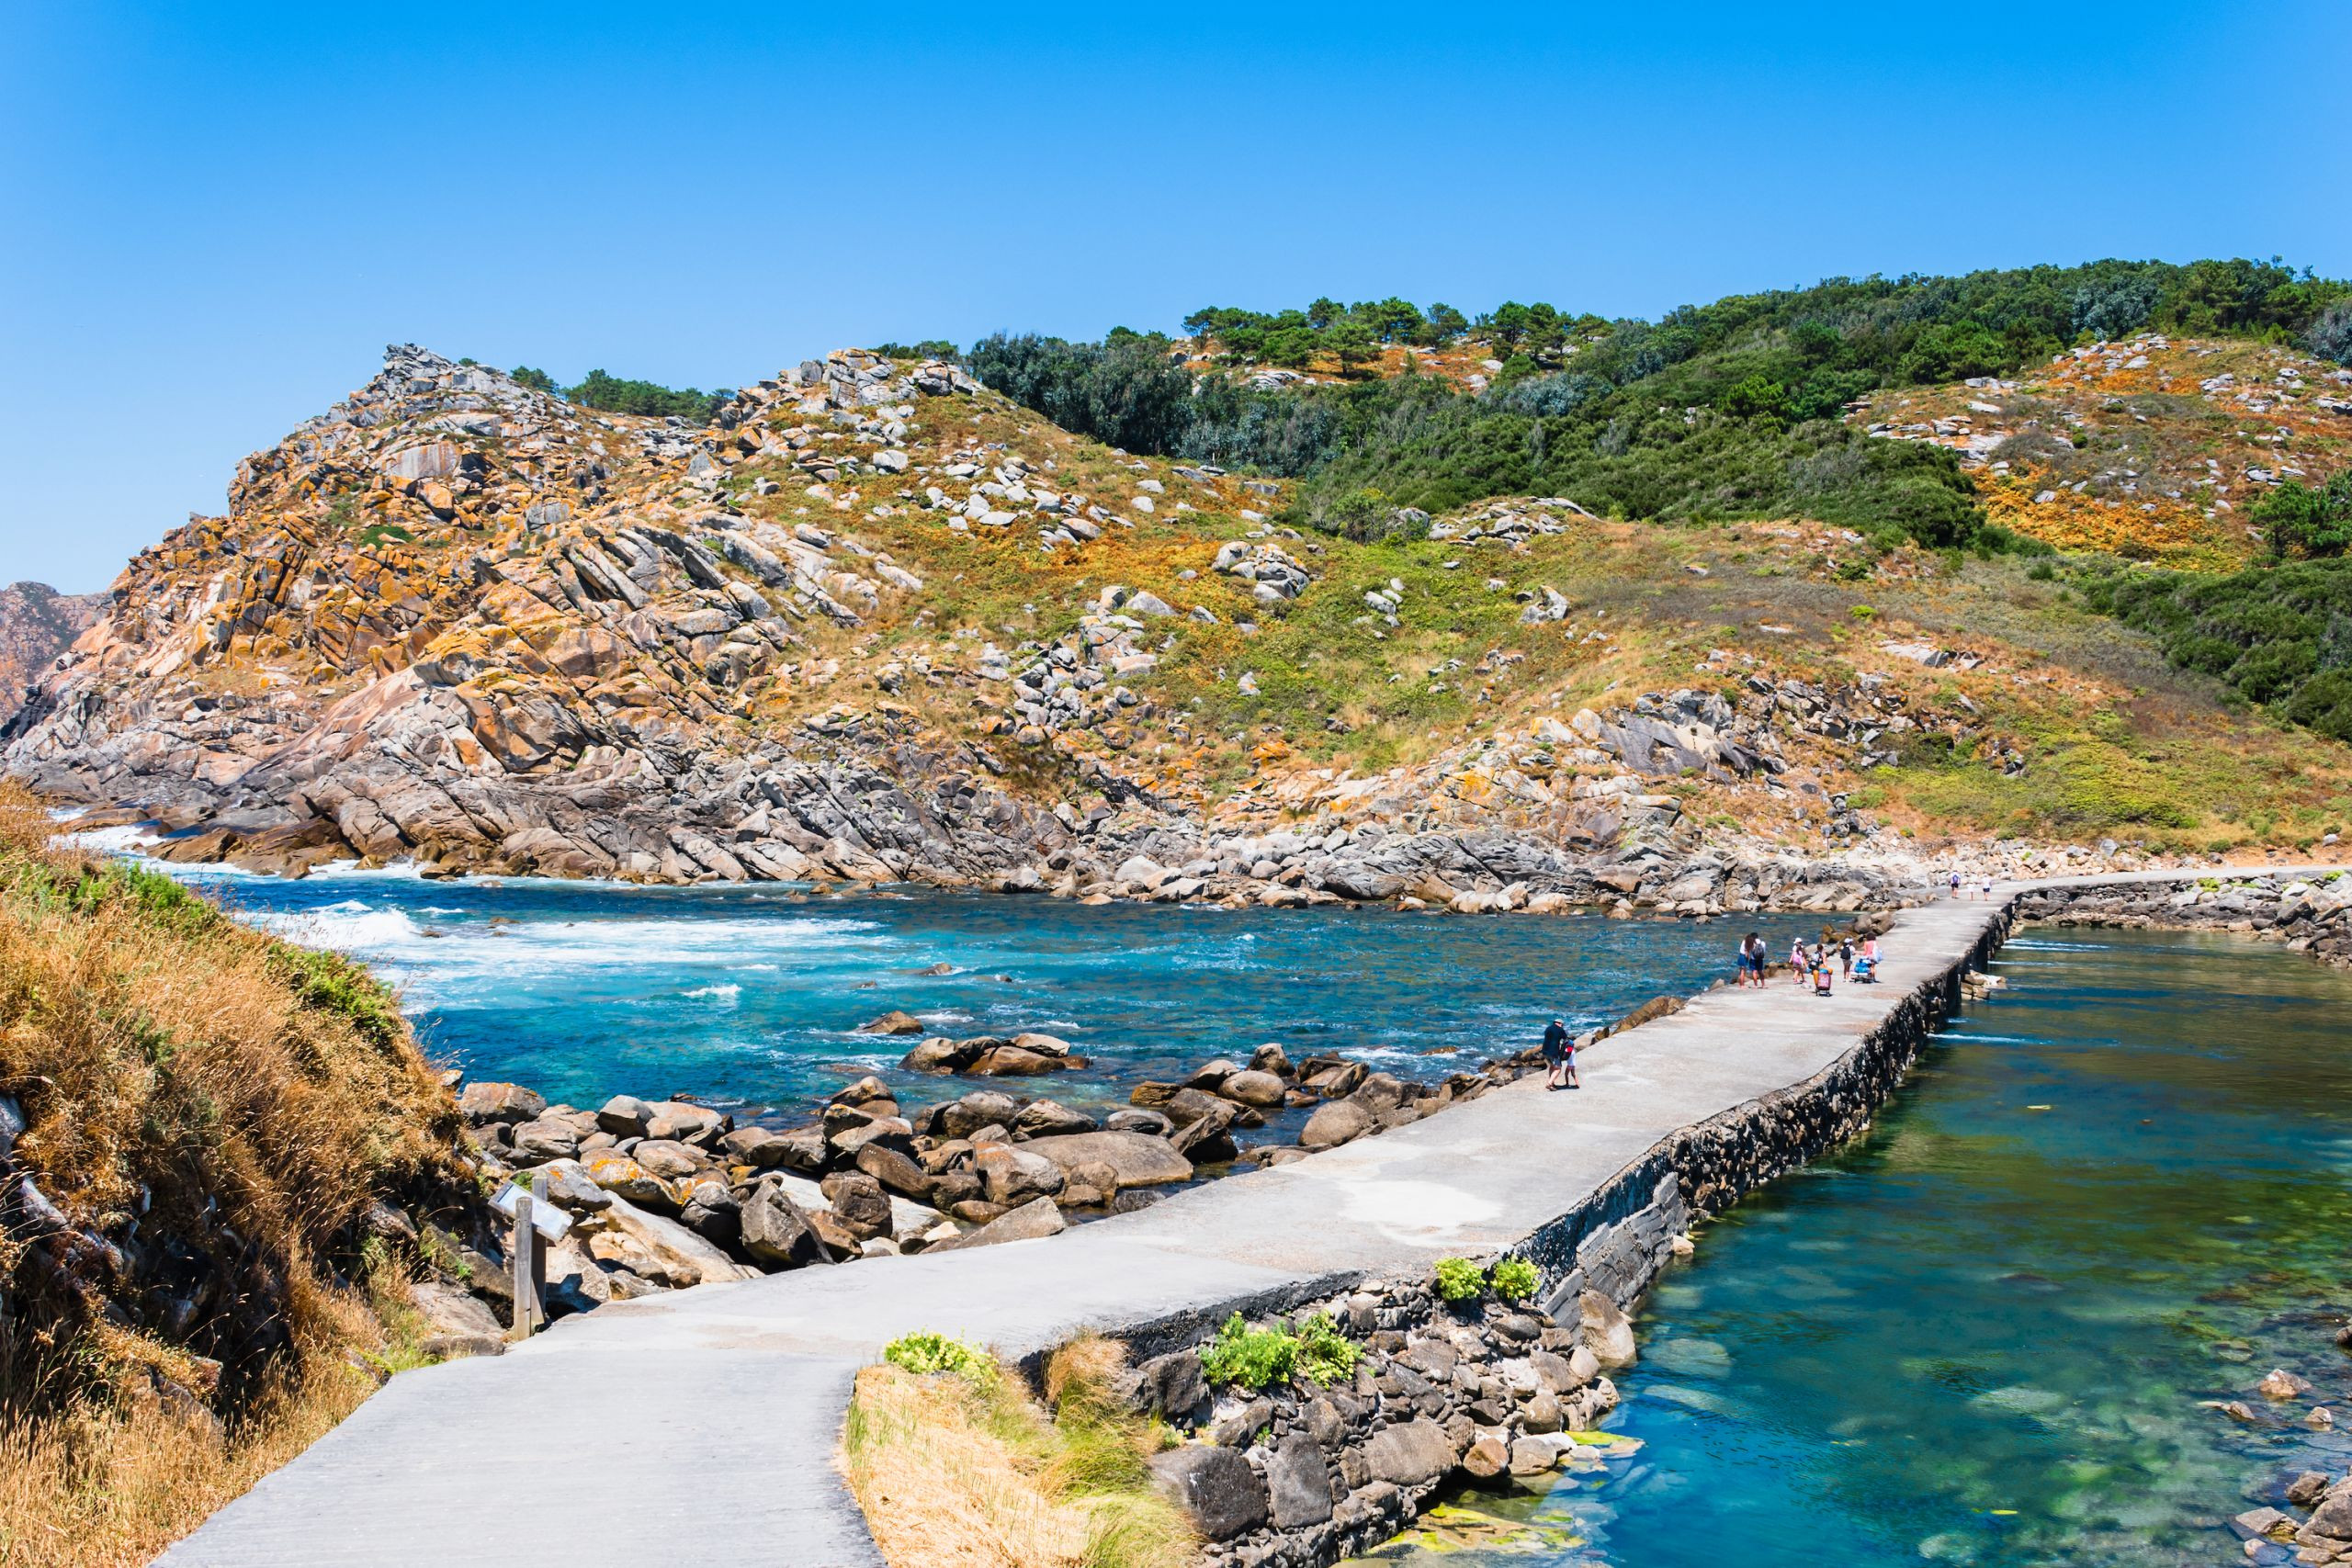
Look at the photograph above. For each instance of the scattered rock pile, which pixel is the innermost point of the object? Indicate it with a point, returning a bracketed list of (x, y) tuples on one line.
[(670, 1193), (1510, 521), (1275, 572)]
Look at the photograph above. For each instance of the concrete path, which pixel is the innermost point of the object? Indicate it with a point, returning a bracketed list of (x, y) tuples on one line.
[(705, 1421)]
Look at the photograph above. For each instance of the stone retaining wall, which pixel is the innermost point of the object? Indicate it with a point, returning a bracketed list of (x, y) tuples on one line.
[(1616, 1242)]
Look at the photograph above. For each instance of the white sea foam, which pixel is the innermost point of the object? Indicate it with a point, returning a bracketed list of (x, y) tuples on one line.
[(724, 994), (129, 839), (454, 957)]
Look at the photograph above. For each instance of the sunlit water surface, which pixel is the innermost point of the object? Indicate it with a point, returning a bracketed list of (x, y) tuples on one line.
[(1989, 1332), (752, 996)]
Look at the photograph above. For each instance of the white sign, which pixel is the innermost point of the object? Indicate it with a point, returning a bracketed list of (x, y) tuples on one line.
[(545, 1218)]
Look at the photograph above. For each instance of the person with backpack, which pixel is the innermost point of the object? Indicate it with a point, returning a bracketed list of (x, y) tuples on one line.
[(1559, 1057)]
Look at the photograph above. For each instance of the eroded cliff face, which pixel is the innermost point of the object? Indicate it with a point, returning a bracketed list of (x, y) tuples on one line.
[(458, 622), (37, 623)]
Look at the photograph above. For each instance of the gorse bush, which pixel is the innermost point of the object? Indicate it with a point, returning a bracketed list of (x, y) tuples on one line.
[(2280, 635)]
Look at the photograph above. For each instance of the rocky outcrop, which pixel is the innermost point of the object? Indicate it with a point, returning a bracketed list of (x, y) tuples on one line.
[(37, 623)]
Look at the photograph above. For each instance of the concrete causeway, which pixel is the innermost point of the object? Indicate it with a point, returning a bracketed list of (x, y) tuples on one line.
[(705, 1422)]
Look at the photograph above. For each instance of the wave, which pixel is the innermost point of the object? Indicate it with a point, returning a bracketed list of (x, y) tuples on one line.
[(469, 948), (721, 993)]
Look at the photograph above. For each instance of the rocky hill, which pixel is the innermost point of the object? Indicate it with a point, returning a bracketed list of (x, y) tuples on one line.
[(2153, 448), (37, 623), (874, 621)]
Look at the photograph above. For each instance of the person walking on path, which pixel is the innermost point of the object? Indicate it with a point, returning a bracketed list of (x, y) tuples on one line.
[(1559, 1056), (1754, 949), (1845, 957), (1797, 964), (1955, 883)]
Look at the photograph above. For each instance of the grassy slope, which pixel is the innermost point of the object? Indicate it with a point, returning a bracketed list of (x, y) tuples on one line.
[(970, 1471), (2162, 445), (219, 1110), (2116, 742)]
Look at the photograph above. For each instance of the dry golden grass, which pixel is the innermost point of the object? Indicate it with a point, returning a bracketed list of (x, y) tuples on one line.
[(213, 1111), (95, 1488), (954, 1473)]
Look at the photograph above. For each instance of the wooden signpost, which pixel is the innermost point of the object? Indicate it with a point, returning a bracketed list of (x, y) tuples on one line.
[(536, 1221)]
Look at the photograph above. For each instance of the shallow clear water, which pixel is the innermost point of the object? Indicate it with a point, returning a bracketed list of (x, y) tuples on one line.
[(1983, 1333), (753, 996)]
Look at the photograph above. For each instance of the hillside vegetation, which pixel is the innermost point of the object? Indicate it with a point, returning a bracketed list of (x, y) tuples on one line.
[(200, 1128), (1725, 411)]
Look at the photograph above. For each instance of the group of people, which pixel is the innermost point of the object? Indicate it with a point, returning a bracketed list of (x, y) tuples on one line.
[(1962, 886), (1856, 961), (1853, 958)]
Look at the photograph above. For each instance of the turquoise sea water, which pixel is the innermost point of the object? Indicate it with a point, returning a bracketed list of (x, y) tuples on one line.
[(753, 996), (1984, 1334)]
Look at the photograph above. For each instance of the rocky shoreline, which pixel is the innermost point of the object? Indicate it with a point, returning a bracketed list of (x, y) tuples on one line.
[(667, 1194), (2308, 1518), (2307, 913)]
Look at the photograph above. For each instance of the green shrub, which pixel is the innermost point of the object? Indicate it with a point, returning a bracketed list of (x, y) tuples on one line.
[(1459, 1280), (2331, 336), (1515, 1278), (616, 394), (1325, 1355), (1250, 1358), (926, 1352), (2278, 635), (331, 983)]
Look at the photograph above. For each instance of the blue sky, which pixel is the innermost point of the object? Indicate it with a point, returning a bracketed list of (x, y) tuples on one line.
[(213, 217)]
